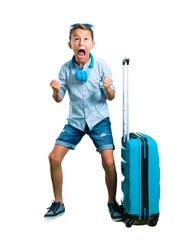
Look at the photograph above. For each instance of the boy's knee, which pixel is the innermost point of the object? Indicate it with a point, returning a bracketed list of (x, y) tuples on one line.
[(108, 160), (54, 159), (108, 164)]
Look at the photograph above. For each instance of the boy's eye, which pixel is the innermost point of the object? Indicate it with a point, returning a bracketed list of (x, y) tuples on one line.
[(76, 39)]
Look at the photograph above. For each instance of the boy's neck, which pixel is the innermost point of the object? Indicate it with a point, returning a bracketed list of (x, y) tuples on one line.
[(81, 64)]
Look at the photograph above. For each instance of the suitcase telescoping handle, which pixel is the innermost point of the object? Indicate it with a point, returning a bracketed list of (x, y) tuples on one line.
[(125, 138)]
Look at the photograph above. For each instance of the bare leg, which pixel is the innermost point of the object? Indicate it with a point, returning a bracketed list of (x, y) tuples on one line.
[(110, 173), (55, 158)]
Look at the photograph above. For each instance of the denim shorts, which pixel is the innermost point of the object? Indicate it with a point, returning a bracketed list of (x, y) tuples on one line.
[(101, 136)]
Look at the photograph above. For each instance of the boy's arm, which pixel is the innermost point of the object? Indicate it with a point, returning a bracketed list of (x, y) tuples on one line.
[(56, 88), (57, 97), (110, 94)]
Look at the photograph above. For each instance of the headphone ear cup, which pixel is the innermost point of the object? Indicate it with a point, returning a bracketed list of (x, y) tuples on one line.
[(81, 75), (84, 76), (78, 75)]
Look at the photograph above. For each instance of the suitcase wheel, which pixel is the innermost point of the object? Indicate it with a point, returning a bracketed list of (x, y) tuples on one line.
[(129, 222), (153, 222)]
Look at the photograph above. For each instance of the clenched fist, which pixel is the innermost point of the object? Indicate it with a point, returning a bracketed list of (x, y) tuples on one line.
[(55, 85), (107, 82)]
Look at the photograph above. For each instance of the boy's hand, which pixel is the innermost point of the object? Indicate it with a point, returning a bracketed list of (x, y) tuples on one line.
[(55, 85), (109, 91), (107, 83)]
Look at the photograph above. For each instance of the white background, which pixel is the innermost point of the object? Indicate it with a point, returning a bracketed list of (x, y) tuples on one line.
[(34, 36)]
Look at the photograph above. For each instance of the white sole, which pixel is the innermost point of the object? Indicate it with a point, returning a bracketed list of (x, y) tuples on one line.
[(54, 217), (117, 219)]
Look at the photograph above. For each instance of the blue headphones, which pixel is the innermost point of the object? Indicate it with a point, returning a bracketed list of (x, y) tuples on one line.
[(82, 75)]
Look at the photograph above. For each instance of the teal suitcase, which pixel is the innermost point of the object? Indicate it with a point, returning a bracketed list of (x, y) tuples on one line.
[(141, 172)]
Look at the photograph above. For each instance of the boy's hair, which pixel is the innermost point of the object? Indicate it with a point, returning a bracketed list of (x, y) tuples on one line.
[(83, 27)]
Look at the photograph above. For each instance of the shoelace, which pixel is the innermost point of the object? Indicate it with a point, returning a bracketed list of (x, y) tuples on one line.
[(54, 206)]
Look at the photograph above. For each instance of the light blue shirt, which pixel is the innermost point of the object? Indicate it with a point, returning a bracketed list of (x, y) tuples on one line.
[(82, 107)]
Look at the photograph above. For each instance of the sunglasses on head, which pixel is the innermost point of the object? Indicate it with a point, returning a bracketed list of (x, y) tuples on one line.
[(84, 24)]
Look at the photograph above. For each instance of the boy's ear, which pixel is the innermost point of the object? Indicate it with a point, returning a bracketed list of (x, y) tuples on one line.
[(93, 44), (69, 44)]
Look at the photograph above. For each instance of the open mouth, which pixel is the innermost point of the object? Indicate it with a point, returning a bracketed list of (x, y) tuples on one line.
[(81, 53)]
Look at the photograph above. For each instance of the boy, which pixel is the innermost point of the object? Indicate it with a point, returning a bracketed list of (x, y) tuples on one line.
[(88, 82)]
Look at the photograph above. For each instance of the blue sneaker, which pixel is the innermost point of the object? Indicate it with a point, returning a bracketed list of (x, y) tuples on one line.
[(115, 211), (55, 210)]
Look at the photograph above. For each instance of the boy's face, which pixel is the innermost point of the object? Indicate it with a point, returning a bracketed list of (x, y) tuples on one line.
[(81, 43)]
